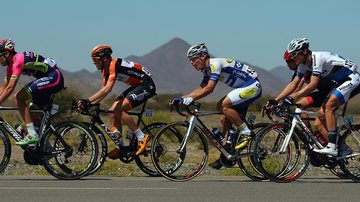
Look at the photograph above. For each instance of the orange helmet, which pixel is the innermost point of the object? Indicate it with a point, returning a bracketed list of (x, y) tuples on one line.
[(101, 50)]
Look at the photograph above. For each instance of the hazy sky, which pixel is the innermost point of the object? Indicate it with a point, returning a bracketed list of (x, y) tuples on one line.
[(249, 30)]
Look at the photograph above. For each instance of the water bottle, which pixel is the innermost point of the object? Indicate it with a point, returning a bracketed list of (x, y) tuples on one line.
[(218, 134), (231, 136), (19, 129)]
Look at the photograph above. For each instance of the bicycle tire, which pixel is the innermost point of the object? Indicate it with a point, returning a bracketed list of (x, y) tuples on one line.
[(172, 164), (273, 165), (102, 145), (143, 161), (247, 164), (351, 165), (73, 163), (5, 150)]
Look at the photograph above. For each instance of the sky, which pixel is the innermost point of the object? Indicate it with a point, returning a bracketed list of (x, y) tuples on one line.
[(254, 31)]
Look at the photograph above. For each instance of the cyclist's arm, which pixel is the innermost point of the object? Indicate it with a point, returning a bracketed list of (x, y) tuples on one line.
[(103, 92), (203, 91), (301, 84), (7, 88), (290, 88), (314, 81)]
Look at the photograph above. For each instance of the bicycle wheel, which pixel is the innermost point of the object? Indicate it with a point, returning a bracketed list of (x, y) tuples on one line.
[(351, 164), (173, 164), (280, 167), (102, 146), (247, 164), (143, 160), (69, 152), (5, 150)]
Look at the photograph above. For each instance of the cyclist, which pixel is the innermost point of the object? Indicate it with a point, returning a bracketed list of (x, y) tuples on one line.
[(314, 99), (141, 88), (241, 77), (339, 70), (49, 80)]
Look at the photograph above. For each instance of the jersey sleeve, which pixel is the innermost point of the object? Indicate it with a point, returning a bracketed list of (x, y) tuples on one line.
[(215, 70), (14, 71)]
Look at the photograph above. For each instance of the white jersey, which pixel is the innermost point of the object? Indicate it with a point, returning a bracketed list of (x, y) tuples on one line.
[(336, 68), (231, 72), (329, 65)]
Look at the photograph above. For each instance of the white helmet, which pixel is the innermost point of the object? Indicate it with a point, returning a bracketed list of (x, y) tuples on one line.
[(297, 45), (7, 45), (196, 50)]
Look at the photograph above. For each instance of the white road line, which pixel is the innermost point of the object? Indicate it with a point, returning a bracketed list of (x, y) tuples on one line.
[(80, 188)]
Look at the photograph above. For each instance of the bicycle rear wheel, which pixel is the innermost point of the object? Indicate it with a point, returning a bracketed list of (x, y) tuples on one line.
[(351, 164), (143, 160), (280, 167), (173, 164), (69, 152), (5, 150)]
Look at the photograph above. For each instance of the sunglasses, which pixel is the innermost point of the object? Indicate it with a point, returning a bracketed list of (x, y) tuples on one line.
[(294, 54)]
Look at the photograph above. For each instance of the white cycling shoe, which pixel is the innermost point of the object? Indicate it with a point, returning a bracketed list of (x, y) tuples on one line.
[(330, 149)]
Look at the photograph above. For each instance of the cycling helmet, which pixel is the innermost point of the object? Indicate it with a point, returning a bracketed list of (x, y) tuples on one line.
[(6, 45), (196, 50), (287, 57), (101, 50), (296, 45)]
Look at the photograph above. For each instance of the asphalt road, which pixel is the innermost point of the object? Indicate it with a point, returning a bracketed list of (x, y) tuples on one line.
[(203, 188)]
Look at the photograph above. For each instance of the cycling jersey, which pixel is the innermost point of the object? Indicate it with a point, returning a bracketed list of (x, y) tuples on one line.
[(233, 73), (31, 64), (236, 75), (126, 71), (329, 65), (335, 68)]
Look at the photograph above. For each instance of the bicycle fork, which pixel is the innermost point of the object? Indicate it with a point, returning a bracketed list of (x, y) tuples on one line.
[(192, 123), (288, 136)]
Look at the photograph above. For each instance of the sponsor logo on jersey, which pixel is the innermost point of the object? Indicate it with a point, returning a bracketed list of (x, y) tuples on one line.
[(247, 93)]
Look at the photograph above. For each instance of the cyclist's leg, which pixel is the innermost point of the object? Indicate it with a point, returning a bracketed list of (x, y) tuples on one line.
[(236, 103), (337, 97), (137, 96), (38, 93)]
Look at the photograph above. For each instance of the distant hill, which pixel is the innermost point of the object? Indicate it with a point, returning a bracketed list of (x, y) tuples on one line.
[(284, 73)]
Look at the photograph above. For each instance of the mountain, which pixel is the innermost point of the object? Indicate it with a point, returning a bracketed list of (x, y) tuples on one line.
[(172, 73), (283, 73)]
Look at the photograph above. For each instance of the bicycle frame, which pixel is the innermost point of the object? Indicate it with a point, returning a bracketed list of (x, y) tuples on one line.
[(95, 119), (298, 121), (14, 134), (194, 121), (343, 123)]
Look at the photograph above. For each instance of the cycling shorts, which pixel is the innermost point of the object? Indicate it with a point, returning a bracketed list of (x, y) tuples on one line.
[(242, 97), (41, 90), (137, 95)]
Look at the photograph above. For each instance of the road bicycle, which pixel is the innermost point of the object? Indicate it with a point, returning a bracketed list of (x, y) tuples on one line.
[(127, 152), (180, 150), (275, 139), (57, 149)]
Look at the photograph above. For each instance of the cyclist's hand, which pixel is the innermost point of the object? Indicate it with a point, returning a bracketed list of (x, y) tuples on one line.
[(176, 101), (268, 107), (82, 104), (187, 100)]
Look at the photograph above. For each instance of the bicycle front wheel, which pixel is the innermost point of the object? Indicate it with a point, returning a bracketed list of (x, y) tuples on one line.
[(280, 166), (174, 164), (350, 148), (69, 152), (5, 150), (143, 161)]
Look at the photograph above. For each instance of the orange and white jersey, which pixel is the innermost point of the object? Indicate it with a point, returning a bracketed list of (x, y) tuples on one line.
[(126, 71)]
